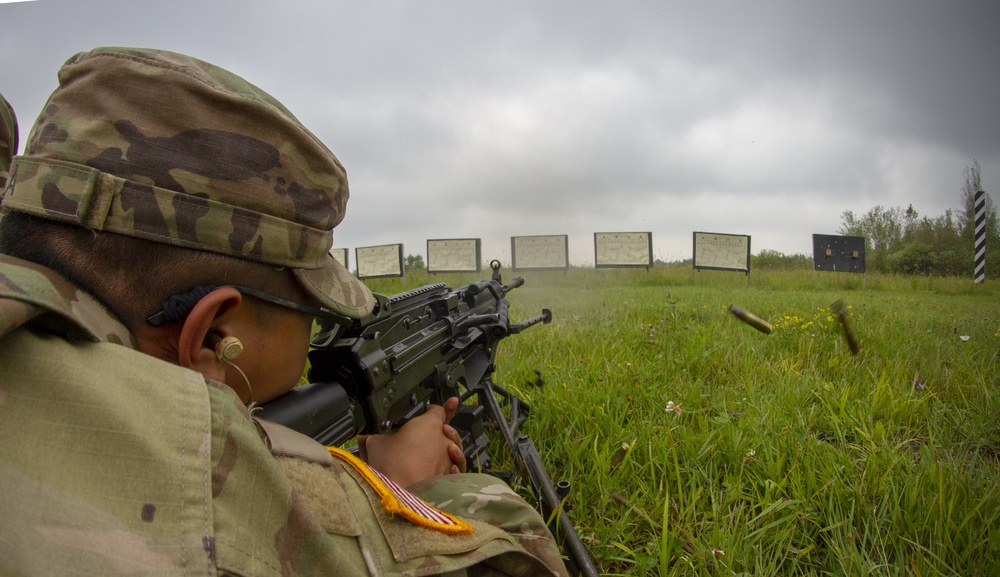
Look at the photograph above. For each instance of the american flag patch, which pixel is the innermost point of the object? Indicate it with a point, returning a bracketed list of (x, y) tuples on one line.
[(398, 501)]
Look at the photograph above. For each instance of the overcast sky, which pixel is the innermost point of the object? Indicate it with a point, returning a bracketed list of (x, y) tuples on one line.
[(459, 119)]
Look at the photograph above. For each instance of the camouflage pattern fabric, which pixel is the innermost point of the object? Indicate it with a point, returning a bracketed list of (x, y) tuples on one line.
[(113, 462), (8, 138), (165, 147), (33, 295), (487, 499)]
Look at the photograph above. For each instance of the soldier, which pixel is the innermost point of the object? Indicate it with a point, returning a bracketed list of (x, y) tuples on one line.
[(165, 248)]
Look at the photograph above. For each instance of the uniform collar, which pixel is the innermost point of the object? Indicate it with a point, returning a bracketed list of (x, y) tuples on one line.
[(36, 296)]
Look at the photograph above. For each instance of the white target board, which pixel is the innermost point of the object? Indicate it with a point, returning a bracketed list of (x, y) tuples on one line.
[(623, 249), (454, 255), (379, 261), (717, 251), (545, 252), (340, 255)]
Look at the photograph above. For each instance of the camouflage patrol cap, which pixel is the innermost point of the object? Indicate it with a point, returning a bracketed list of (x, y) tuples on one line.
[(8, 137), (168, 148)]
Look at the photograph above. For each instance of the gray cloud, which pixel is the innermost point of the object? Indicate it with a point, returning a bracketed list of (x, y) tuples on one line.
[(456, 119)]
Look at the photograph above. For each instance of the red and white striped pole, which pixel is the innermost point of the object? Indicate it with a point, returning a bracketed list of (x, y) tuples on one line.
[(980, 267)]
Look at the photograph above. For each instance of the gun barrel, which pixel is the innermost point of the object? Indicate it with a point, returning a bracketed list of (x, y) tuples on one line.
[(513, 284), (545, 318)]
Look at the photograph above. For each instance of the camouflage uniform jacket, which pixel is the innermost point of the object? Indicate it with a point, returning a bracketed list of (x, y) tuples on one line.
[(113, 462)]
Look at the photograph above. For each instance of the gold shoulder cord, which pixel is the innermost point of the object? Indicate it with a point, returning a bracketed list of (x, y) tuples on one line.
[(398, 501)]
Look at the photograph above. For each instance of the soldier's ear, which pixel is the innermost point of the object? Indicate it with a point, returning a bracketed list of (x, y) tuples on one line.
[(210, 314)]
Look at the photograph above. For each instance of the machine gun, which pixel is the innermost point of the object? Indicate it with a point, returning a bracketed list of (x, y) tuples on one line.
[(425, 346)]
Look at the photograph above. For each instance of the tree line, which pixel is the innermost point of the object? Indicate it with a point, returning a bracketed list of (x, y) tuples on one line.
[(899, 240)]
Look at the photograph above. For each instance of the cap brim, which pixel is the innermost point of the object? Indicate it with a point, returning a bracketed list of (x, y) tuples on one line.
[(337, 289)]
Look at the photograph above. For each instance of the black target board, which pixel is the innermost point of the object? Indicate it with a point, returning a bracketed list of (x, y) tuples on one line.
[(839, 253)]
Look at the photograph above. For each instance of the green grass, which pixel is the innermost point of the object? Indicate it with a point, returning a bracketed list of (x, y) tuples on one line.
[(697, 445)]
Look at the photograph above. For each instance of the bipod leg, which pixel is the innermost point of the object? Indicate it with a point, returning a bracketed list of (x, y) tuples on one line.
[(578, 561)]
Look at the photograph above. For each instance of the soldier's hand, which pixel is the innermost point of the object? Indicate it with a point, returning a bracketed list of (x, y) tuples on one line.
[(423, 448), (455, 450)]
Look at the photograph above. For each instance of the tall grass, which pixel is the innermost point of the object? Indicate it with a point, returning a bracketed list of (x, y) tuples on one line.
[(699, 446)]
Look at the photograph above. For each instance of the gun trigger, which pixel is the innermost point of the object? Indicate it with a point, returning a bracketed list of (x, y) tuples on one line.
[(415, 412)]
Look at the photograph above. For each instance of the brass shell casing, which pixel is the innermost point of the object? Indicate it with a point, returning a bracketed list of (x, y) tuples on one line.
[(751, 319), (844, 314)]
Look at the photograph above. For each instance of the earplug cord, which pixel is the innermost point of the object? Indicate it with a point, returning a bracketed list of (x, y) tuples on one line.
[(251, 404)]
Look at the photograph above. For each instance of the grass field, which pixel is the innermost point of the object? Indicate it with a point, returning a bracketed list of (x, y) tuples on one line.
[(697, 445)]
